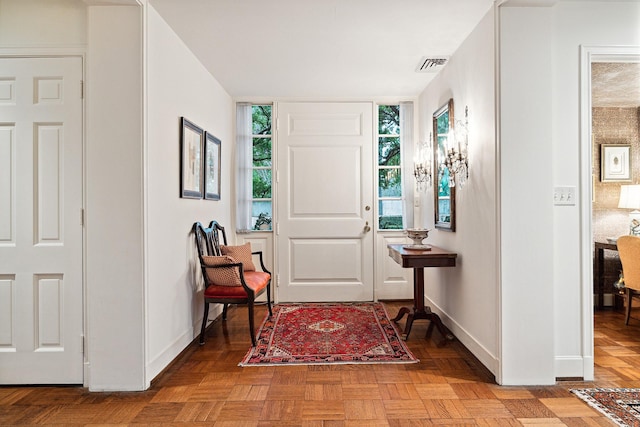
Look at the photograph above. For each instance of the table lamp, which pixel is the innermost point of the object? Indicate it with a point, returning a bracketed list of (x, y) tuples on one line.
[(630, 199)]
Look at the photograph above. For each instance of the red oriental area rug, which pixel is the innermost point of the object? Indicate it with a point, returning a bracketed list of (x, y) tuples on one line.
[(620, 405), (314, 334)]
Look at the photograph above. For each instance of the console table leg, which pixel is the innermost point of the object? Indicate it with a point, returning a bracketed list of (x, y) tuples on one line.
[(435, 320), (429, 331), (407, 327), (400, 315)]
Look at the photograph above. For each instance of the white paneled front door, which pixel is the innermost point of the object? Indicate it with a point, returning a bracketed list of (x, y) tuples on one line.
[(325, 194), (41, 301)]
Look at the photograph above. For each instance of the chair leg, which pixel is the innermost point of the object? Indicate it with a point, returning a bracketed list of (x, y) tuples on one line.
[(269, 298), (252, 329), (224, 311), (628, 310), (204, 322)]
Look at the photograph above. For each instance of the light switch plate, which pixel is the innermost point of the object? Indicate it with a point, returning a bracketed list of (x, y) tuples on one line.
[(564, 196)]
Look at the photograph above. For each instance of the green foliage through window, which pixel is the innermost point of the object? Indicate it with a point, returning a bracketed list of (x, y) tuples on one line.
[(261, 119), (389, 119), (262, 163), (389, 168), (262, 152)]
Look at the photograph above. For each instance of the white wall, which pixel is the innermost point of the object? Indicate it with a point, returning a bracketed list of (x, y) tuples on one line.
[(39, 24), (544, 332), (141, 308), (113, 169), (115, 239), (467, 295), (602, 23), (526, 189), (177, 85)]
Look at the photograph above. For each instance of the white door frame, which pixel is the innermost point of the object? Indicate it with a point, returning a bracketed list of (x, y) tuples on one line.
[(68, 52), (589, 54)]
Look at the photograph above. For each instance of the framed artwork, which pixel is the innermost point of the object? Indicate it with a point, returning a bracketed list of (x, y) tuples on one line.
[(212, 152), (191, 145), (615, 162)]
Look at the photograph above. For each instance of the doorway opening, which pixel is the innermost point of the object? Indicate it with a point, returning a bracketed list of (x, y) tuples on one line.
[(610, 140)]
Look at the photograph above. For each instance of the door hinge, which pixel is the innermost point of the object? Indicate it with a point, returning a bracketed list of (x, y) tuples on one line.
[(277, 228), (278, 280), (277, 123), (82, 217), (81, 89), (82, 344)]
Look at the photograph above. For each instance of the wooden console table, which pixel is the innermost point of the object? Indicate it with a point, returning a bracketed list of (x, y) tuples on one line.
[(598, 269), (418, 260)]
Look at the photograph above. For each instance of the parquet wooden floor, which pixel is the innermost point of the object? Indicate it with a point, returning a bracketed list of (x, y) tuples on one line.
[(448, 387)]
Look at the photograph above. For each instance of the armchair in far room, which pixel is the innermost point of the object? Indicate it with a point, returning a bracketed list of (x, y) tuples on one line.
[(629, 250)]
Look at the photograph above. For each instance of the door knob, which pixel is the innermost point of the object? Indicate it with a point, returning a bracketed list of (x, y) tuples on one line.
[(366, 227), (367, 208)]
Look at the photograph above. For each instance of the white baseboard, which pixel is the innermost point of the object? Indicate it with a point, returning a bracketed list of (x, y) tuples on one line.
[(588, 370), (569, 367), (114, 388), (478, 350), (162, 360)]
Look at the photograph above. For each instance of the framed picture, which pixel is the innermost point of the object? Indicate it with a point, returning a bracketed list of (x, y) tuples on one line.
[(191, 144), (615, 162), (211, 167)]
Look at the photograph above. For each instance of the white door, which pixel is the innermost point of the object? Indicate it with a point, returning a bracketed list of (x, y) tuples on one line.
[(40, 221), (324, 207)]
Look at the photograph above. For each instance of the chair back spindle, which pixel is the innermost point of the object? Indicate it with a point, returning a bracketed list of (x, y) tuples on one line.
[(208, 238)]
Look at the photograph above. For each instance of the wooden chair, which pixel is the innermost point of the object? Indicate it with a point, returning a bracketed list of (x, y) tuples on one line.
[(229, 280), (629, 251)]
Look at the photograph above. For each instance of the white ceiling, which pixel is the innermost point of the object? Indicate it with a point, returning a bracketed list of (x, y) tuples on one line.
[(343, 48), (321, 48)]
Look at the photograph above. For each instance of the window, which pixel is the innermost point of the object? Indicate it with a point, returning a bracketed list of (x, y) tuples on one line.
[(261, 197), (390, 203)]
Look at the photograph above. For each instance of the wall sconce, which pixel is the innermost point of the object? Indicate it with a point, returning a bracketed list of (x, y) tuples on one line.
[(422, 164), (457, 160), (630, 199)]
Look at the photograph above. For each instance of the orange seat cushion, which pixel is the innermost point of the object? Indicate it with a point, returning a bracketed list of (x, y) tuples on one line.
[(256, 280)]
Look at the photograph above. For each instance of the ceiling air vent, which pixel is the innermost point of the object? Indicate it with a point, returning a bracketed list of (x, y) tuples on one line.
[(431, 64)]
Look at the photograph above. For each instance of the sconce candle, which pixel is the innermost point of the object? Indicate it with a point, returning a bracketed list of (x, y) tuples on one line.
[(422, 165), (456, 160)]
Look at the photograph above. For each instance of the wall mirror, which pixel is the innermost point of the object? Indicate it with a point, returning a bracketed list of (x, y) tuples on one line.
[(445, 196)]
